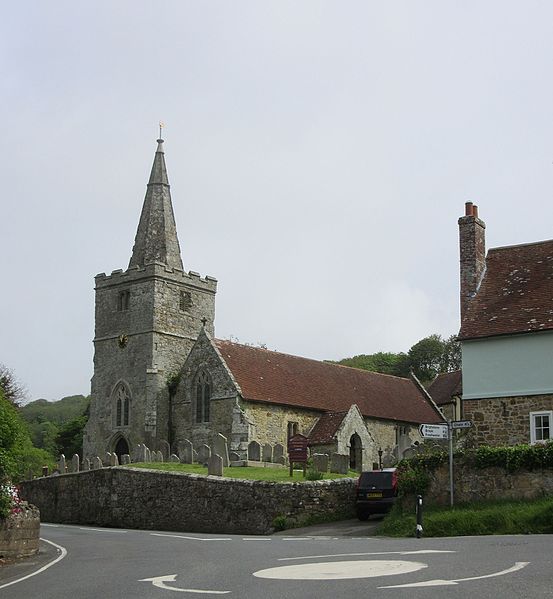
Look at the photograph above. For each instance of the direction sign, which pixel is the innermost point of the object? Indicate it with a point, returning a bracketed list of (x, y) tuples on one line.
[(433, 431), (461, 423)]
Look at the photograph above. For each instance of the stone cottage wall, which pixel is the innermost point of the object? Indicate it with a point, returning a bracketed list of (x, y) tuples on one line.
[(491, 415), (150, 499)]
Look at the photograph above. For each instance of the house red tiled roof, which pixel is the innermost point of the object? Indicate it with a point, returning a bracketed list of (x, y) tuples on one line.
[(326, 427), (516, 293), (445, 386), (276, 378)]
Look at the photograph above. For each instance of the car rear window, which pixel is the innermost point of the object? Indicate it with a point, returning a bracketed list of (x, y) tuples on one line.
[(382, 480)]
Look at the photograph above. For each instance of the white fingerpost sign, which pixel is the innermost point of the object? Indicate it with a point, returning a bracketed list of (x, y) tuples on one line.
[(433, 431)]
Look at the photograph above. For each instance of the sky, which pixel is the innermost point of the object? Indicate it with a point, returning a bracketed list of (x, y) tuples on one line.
[(319, 155)]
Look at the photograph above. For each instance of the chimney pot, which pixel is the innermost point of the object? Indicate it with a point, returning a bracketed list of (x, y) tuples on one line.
[(468, 209), (475, 211)]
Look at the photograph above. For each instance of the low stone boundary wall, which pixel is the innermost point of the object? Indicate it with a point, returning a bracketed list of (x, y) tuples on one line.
[(152, 499), (493, 483), (19, 533)]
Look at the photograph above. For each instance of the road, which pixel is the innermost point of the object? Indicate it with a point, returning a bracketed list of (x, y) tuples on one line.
[(112, 563)]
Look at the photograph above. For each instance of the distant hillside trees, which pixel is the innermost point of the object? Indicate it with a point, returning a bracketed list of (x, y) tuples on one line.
[(426, 358), (57, 426)]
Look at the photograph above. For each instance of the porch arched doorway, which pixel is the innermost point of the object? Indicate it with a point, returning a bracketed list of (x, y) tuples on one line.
[(355, 453), (121, 448)]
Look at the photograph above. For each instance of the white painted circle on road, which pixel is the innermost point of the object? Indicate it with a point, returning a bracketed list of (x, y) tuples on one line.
[(341, 570)]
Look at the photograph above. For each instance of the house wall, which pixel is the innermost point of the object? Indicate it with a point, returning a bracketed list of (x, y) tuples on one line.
[(508, 366), (504, 421)]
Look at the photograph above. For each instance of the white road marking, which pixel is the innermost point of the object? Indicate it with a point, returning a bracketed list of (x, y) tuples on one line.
[(103, 529), (159, 581), (420, 552), (257, 539), (341, 570), (438, 582), (63, 553), (297, 538), (156, 534), (52, 525)]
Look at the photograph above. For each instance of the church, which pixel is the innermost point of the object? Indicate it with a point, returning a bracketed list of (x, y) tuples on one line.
[(163, 379)]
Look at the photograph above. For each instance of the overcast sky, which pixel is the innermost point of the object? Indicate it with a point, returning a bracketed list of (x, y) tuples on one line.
[(319, 155)]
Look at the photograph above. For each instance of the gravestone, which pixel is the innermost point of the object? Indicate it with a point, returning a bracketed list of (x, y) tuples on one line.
[(147, 454), (185, 451), (204, 453), (254, 451), (114, 460), (409, 453), (174, 458), (280, 460), (220, 447), (153, 455), (61, 464), (320, 462), (165, 450), (233, 457), (97, 463), (125, 459), (159, 456), (75, 463), (267, 453), (278, 454), (215, 465), (339, 463), (86, 464), (107, 458)]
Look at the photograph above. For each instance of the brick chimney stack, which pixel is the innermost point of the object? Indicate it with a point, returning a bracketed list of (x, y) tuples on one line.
[(472, 246)]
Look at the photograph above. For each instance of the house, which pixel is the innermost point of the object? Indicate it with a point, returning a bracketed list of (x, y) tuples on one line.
[(446, 390), (162, 379), (506, 336)]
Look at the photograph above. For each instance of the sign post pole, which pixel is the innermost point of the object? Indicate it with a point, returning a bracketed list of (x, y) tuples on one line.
[(450, 430)]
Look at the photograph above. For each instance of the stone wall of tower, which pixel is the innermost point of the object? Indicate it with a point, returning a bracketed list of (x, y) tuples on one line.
[(143, 343)]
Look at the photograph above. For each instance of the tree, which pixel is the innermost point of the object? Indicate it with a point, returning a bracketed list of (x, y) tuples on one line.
[(451, 357), (70, 436), (425, 357), (12, 389)]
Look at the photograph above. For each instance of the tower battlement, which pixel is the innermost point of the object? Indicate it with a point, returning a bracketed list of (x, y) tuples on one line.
[(157, 270)]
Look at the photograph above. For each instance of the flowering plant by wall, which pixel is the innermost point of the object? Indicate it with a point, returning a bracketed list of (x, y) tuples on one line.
[(10, 502)]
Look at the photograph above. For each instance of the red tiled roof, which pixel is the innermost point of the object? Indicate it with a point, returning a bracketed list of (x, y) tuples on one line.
[(445, 386), (516, 293), (326, 427), (276, 378)]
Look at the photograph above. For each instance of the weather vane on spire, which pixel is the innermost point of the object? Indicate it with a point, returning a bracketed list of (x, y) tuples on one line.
[(161, 125)]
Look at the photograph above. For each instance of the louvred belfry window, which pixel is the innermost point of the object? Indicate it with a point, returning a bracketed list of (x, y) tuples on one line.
[(122, 405)]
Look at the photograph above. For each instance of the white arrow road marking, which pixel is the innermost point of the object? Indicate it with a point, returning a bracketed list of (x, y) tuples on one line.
[(438, 582), (159, 581), (420, 552), (155, 534)]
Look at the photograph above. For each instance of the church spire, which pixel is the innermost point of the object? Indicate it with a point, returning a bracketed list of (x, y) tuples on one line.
[(156, 238)]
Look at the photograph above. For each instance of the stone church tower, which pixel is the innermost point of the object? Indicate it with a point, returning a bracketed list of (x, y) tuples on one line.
[(147, 319)]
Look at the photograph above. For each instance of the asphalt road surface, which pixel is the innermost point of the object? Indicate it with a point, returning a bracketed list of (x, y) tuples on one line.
[(78, 562)]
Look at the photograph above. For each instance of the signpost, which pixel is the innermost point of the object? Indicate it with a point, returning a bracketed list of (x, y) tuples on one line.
[(433, 431), (297, 452), (445, 431)]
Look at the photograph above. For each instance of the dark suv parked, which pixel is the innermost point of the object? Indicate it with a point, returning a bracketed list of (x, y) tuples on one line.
[(376, 492)]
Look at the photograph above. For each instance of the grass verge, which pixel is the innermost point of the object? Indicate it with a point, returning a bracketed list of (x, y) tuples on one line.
[(246, 472), (484, 518)]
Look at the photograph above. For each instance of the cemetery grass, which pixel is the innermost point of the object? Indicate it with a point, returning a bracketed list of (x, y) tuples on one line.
[(243, 472), (482, 518)]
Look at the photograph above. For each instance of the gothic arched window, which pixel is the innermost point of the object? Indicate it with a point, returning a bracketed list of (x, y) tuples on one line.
[(122, 405), (203, 396)]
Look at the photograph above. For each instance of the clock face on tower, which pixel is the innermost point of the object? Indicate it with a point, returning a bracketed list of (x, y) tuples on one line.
[(122, 340)]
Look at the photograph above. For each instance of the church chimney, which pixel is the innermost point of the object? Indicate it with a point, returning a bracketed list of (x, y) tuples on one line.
[(472, 246)]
